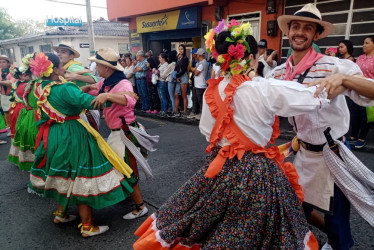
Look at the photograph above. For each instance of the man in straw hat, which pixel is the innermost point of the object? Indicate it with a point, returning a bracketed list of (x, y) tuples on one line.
[(6, 86), (308, 67), (119, 116), (77, 74)]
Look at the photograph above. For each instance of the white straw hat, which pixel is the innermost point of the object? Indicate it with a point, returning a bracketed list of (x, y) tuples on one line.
[(67, 45), (308, 13), (108, 57)]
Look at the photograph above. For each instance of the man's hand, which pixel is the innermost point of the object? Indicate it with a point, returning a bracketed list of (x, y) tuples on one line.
[(71, 76), (332, 84), (99, 101)]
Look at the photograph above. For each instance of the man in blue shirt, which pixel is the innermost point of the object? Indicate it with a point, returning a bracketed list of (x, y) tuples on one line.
[(140, 74)]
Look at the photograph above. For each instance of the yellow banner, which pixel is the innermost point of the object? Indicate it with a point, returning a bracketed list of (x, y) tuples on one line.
[(158, 22), (134, 35)]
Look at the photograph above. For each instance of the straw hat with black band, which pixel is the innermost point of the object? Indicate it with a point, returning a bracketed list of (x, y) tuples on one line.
[(69, 46), (107, 57), (309, 13), (4, 57)]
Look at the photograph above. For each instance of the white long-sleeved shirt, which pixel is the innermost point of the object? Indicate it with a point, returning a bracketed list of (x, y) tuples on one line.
[(256, 103), (310, 126)]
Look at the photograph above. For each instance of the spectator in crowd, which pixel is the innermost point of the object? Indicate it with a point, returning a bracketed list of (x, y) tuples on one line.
[(154, 101), (262, 47), (359, 125), (345, 50), (269, 61), (148, 54), (129, 71), (94, 71), (6, 87), (140, 74), (163, 72), (192, 66), (181, 81), (200, 72), (172, 60), (215, 69)]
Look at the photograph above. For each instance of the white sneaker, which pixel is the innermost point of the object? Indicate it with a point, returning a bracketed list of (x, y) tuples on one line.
[(327, 246), (131, 216), (70, 217)]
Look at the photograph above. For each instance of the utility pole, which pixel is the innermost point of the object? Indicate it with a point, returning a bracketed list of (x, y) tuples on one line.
[(90, 30)]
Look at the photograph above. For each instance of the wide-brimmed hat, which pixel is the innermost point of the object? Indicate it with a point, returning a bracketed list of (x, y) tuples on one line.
[(107, 57), (4, 57), (308, 13), (67, 45)]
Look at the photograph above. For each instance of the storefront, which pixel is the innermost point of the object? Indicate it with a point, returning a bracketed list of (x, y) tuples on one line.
[(165, 30)]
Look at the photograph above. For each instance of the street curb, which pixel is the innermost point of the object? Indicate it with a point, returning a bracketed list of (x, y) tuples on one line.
[(285, 135)]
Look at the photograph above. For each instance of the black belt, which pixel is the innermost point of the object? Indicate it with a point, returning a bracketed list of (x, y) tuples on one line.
[(314, 148), (125, 127)]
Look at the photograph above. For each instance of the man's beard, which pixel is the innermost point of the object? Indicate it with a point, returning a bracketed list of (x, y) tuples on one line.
[(304, 47)]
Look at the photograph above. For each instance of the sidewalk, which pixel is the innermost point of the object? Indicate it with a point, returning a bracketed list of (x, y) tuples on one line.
[(285, 129)]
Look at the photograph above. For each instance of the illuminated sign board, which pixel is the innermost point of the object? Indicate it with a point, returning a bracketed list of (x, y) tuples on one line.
[(63, 21), (172, 20)]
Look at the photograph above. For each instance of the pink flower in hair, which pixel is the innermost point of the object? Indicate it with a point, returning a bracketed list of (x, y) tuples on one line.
[(233, 22)]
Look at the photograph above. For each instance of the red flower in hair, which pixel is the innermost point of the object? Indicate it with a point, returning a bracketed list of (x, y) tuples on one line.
[(41, 66), (237, 51), (227, 62)]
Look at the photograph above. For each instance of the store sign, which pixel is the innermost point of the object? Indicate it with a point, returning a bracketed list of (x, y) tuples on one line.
[(178, 19), (63, 21)]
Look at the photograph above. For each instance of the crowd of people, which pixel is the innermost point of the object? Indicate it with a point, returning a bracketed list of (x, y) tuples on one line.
[(245, 196)]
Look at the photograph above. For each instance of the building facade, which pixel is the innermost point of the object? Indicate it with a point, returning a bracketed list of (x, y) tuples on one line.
[(162, 25), (352, 19), (107, 34)]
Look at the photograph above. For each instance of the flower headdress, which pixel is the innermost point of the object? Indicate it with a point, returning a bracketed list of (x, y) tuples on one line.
[(40, 65), (24, 68), (233, 61)]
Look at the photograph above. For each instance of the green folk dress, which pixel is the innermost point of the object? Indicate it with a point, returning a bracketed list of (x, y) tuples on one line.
[(22, 152), (69, 163)]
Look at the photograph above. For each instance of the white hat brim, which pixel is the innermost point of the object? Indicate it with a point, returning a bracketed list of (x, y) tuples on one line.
[(7, 58), (116, 67), (76, 53), (284, 20)]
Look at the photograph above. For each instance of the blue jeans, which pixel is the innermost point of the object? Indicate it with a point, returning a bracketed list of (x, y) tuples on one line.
[(143, 93), (171, 89), (162, 89), (337, 225)]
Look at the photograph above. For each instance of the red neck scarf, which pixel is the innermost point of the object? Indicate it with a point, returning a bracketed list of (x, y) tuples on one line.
[(308, 60)]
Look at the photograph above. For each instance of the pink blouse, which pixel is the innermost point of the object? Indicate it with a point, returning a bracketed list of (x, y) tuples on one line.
[(114, 112), (366, 65)]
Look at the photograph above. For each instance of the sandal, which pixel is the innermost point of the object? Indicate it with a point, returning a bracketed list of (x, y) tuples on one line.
[(87, 229), (63, 217)]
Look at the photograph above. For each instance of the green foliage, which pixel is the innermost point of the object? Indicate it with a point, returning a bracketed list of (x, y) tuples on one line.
[(8, 28)]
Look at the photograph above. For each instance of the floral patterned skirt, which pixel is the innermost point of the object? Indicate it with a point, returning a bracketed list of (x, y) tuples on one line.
[(249, 205)]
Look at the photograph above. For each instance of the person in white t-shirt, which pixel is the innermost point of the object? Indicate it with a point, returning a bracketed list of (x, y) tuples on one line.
[(200, 72)]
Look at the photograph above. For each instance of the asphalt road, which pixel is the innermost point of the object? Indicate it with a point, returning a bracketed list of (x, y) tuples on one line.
[(26, 219)]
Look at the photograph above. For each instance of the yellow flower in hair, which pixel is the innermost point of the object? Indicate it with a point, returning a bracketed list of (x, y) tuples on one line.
[(48, 72), (220, 59), (247, 29), (209, 40), (236, 32), (238, 67)]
